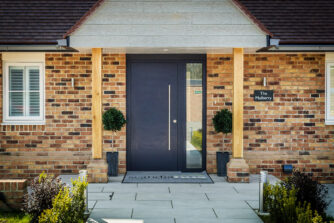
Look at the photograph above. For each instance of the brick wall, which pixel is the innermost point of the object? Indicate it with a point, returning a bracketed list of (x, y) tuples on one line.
[(289, 130), (14, 192), (114, 95), (63, 144)]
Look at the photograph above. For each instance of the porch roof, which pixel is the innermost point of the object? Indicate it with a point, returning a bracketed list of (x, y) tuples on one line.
[(40, 21), (45, 22), (294, 21)]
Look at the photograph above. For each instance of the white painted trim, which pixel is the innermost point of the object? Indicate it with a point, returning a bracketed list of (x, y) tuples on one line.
[(329, 120), (23, 120), (24, 123), (19, 57)]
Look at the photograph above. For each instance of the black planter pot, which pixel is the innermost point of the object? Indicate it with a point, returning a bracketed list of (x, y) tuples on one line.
[(112, 160), (222, 159)]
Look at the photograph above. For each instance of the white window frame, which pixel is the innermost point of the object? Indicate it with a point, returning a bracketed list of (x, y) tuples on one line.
[(23, 120), (329, 120)]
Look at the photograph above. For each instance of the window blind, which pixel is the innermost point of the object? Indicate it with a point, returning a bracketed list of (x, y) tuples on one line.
[(16, 91)]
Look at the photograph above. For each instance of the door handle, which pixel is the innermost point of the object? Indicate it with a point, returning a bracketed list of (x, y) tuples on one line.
[(168, 116)]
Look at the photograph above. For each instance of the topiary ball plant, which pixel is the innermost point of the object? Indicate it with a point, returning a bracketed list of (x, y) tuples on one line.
[(222, 121), (113, 120)]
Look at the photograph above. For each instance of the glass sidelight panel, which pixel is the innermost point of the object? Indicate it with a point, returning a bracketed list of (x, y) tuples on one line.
[(194, 99)]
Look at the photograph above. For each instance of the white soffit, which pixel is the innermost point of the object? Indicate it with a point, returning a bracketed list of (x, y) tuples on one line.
[(168, 24)]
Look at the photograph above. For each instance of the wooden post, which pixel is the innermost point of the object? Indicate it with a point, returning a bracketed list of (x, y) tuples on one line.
[(238, 99), (97, 103)]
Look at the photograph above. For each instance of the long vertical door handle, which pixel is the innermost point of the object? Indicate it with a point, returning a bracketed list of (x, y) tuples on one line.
[(168, 116)]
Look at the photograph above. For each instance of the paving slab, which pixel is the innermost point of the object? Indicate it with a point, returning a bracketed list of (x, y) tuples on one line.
[(253, 204), (100, 196), (175, 203), (236, 213), (171, 213), (330, 209), (91, 204), (154, 220), (124, 196), (131, 204), (119, 187), (230, 197), (198, 220), (114, 213), (170, 196), (95, 188), (211, 204)]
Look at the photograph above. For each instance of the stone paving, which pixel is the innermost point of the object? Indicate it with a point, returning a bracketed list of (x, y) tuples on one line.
[(174, 203), (330, 209), (177, 203)]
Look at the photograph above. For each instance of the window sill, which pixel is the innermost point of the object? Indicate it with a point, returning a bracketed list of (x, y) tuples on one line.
[(24, 123), (329, 122)]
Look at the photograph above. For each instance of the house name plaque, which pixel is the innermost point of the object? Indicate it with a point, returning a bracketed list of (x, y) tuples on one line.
[(263, 95)]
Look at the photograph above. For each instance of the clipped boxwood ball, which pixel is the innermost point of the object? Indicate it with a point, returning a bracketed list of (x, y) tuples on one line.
[(113, 120), (222, 121)]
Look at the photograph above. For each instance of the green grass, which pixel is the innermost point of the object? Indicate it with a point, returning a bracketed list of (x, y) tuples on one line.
[(14, 217)]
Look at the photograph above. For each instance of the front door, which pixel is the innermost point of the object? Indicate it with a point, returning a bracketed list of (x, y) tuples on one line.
[(161, 134), (153, 116)]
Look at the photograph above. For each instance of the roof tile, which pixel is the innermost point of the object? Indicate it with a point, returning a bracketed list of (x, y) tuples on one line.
[(295, 21), (39, 21)]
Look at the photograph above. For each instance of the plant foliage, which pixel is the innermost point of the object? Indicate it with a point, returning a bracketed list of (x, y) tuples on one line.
[(14, 217), (196, 139), (222, 121), (306, 215), (113, 119), (43, 189), (68, 206), (282, 204), (308, 191)]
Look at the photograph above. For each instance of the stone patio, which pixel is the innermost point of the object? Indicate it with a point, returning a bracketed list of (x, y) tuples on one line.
[(177, 203), (174, 203)]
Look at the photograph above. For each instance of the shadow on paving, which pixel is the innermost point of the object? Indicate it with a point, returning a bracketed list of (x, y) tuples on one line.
[(174, 203)]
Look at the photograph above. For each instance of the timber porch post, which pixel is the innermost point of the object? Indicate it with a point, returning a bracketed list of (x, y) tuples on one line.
[(237, 168), (97, 103), (97, 168)]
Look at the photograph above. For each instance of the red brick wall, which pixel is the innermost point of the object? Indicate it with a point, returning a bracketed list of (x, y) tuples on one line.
[(289, 130), (114, 95), (14, 192), (63, 144)]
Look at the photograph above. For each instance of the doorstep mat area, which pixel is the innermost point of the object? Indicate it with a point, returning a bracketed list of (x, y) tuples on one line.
[(166, 177)]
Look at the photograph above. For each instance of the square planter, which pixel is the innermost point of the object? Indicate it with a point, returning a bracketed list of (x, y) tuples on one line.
[(222, 159), (112, 160)]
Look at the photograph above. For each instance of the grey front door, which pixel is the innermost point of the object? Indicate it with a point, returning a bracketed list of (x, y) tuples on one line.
[(152, 89)]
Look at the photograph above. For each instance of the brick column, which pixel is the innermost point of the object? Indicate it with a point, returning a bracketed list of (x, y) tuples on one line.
[(237, 168), (97, 168), (14, 191)]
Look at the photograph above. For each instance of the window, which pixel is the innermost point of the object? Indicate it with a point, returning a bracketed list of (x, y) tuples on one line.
[(194, 98), (23, 93), (330, 94)]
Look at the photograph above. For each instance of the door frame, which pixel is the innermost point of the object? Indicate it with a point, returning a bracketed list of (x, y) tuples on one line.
[(168, 58)]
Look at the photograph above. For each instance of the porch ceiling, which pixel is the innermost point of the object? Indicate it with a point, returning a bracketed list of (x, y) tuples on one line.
[(172, 50)]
